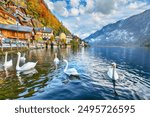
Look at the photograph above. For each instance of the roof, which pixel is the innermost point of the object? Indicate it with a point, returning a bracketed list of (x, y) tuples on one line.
[(5, 12), (16, 28), (47, 30), (38, 29)]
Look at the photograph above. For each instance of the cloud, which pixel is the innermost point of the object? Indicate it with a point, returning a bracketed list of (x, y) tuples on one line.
[(60, 8), (136, 5), (104, 6), (81, 9), (74, 12), (75, 3), (89, 6), (84, 19), (49, 4), (78, 18)]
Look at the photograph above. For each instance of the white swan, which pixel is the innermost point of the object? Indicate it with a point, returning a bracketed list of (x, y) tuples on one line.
[(71, 71), (30, 72), (56, 60), (26, 66), (7, 64), (22, 58), (112, 73)]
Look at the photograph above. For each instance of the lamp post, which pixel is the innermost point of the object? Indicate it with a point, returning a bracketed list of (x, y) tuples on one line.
[(10, 43)]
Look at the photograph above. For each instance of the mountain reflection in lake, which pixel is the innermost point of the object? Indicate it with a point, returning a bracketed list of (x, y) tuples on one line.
[(46, 83)]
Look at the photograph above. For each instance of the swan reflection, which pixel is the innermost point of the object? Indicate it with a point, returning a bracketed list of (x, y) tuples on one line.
[(70, 78), (6, 73), (19, 78), (1, 67), (28, 73)]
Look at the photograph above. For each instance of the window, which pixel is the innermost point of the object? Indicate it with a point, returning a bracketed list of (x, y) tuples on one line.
[(12, 33)]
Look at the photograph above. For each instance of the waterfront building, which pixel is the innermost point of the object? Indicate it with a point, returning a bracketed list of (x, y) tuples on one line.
[(17, 32), (62, 38), (38, 34), (47, 33), (69, 38)]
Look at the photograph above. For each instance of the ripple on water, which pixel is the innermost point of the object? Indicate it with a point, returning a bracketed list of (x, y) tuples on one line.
[(93, 83)]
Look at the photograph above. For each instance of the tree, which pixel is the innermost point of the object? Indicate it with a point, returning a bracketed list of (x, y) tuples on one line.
[(39, 10)]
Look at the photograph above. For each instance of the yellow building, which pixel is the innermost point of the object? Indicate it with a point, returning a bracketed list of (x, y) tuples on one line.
[(62, 37)]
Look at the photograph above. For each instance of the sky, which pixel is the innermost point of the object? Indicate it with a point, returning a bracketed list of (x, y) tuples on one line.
[(84, 17)]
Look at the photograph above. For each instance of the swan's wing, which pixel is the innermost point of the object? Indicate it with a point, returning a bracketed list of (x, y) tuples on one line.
[(110, 74), (116, 75), (72, 71), (56, 61), (28, 66), (32, 71), (22, 58), (8, 63)]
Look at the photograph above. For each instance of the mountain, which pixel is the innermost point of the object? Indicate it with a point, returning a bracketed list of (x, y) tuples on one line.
[(133, 31)]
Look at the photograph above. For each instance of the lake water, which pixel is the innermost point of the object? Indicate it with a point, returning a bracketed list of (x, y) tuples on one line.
[(47, 83)]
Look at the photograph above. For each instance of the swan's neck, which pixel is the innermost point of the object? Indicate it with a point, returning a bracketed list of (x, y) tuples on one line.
[(66, 66), (113, 74), (5, 58), (18, 61), (55, 55)]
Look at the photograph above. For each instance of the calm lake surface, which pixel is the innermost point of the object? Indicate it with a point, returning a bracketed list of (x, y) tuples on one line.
[(46, 83)]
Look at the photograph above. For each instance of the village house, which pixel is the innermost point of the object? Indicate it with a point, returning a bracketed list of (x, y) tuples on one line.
[(47, 33), (6, 18), (38, 34), (43, 33), (7, 3), (69, 38), (24, 33), (13, 13), (57, 39), (22, 17), (19, 13)]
